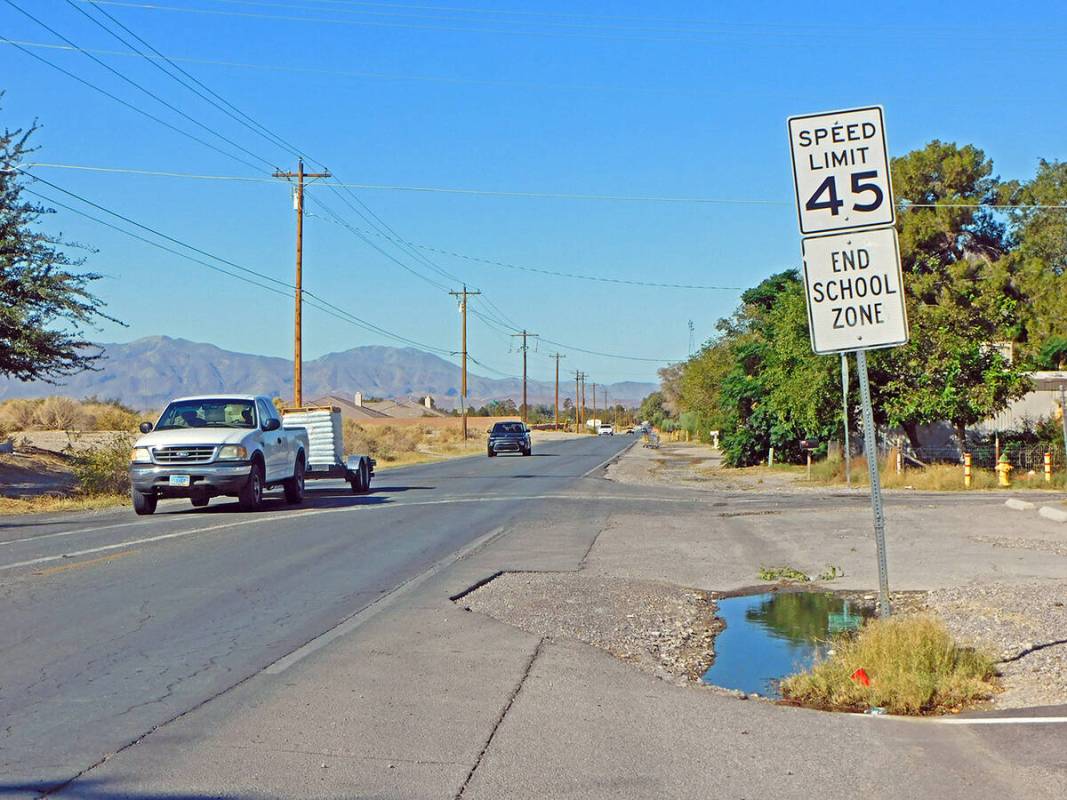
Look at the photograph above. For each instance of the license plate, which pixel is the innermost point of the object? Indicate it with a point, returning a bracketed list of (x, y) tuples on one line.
[(179, 480)]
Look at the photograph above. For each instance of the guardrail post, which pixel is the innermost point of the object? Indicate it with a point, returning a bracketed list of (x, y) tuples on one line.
[(967, 470), (1048, 467)]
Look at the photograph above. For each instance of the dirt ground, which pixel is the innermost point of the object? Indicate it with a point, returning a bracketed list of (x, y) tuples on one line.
[(695, 466), (32, 471)]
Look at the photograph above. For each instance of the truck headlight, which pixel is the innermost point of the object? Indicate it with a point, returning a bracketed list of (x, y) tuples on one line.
[(232, 452), (140, 454)]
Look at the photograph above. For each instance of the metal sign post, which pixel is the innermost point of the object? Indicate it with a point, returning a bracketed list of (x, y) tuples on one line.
[(852, 273), (870, 448), (844, 404)]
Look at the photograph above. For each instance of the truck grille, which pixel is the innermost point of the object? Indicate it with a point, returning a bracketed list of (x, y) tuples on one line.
[(188, 454)]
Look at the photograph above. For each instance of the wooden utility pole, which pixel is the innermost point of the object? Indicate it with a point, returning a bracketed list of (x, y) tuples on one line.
[(577, 394), (463, 389), (298, 205), (583, 399), (524, 335), (595, 426), (557, 356)]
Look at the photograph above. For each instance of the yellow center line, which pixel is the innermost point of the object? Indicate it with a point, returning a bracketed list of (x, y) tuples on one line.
[(78, 564)]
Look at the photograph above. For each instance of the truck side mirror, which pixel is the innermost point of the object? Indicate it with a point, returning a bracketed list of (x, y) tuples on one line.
[(145, 427), (272, 424)]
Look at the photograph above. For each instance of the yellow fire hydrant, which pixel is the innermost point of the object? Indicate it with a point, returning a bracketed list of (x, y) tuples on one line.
[(1003, 470)]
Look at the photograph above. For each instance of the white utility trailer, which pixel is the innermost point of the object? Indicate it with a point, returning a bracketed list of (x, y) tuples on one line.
[(326, 458)]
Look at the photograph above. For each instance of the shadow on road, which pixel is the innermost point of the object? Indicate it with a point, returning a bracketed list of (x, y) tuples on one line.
[(377, 489), (96, 789)]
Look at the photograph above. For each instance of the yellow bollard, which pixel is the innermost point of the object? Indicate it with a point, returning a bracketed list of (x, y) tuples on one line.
[(1003, 469), (1048, 467), (967, 470)]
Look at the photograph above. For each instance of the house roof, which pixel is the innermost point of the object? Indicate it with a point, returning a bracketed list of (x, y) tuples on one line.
[(349, 410), (403, 409)]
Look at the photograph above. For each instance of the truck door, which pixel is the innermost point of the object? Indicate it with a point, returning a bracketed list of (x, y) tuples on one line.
[(275, 444)]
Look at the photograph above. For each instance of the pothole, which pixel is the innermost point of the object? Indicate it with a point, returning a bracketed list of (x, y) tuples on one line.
[(772, 635)]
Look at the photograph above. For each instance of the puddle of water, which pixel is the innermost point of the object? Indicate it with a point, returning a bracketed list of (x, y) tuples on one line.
[(770, 636)]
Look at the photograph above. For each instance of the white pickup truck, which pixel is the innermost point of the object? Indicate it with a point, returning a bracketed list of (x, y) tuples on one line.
[(203, 447)]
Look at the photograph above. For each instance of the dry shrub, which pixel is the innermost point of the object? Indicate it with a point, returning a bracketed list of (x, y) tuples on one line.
[(110, 417), (392, 443), (103, 470), (19, 414), (61, 414), (913, 664)]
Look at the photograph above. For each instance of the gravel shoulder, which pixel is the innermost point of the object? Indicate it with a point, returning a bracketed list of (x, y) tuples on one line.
[(658, 627)]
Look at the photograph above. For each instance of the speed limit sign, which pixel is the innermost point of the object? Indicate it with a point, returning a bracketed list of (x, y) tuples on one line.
[(841, 170)]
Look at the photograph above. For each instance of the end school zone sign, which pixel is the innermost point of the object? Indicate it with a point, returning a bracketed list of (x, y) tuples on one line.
[(855, 291), (841, 170)]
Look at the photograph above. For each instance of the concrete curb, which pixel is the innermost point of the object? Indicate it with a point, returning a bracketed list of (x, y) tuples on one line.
[(1054, 514), (1019, 505)]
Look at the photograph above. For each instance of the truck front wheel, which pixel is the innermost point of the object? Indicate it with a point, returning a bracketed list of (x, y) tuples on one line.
[(251, 496), (143, 504)]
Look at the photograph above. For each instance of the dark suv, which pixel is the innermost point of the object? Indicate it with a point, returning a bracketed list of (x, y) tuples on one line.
[(509, 437)]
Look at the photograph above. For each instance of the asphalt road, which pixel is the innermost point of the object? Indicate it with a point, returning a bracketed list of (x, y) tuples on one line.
[(113, 624)]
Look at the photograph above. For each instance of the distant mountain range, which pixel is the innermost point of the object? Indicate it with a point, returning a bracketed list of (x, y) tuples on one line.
[(147, 372)]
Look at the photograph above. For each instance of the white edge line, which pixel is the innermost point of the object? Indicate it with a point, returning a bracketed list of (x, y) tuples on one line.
[(1004, 721), (378, 605), (608, 460)]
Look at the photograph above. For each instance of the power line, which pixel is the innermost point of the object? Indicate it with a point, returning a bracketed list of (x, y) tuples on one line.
[(138, 86), (611, 355), (688, 32), (228, 109), (334, 310), (128, 105), (438, 189), (338, 220), (902, 204), (186, 256), (447, 79)]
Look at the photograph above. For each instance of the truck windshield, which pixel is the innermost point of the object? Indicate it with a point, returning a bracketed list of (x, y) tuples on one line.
[(208, 414)]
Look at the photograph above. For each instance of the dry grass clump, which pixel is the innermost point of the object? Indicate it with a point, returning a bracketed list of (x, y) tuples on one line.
[(936, 477), (913, 664), (409, 444), (49, 503)]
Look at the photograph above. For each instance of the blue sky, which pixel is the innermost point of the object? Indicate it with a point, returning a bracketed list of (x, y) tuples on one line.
[(683, 100)]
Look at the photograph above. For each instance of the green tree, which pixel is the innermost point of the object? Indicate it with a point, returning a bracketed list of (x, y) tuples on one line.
[(652, 410), (1038, 264), (45, 303), (957, 295)]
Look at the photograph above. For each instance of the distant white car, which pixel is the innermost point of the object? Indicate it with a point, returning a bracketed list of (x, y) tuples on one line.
[(606, 430)]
